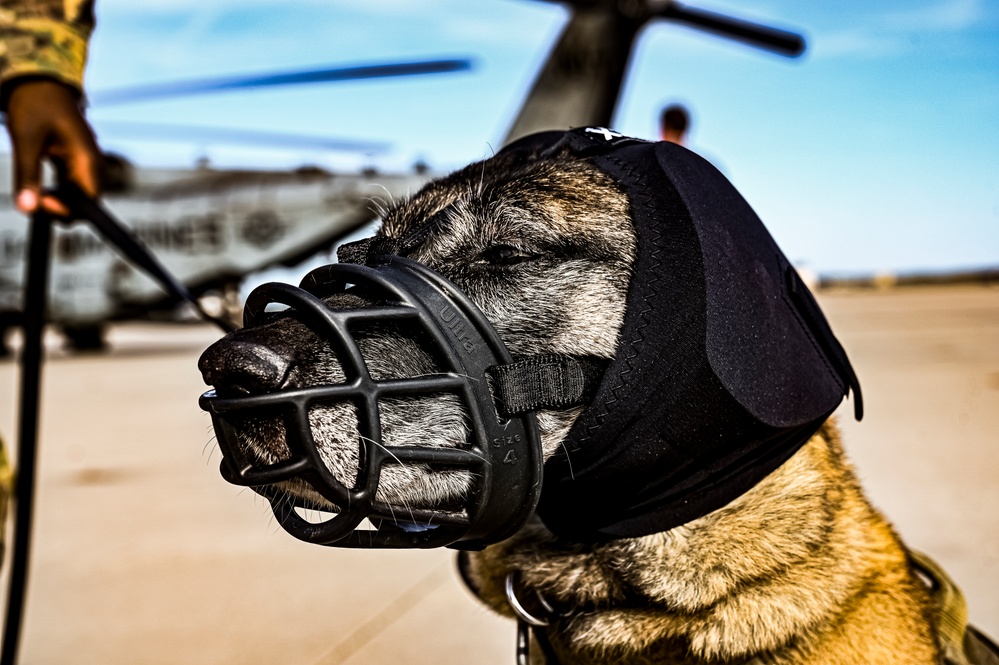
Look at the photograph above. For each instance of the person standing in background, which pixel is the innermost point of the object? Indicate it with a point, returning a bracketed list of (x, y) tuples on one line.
[(674, 121)]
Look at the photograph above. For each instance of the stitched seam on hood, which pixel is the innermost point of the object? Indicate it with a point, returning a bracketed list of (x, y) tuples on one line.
[(639, 335)]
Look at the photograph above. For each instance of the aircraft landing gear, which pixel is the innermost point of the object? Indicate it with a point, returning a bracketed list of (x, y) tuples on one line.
[(86, 337), (5, 350)]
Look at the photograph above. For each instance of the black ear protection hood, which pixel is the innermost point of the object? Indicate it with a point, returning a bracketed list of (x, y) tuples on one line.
[(725, 364)]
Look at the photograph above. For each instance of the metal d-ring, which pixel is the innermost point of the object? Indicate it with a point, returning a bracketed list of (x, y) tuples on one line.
[(518, 609)]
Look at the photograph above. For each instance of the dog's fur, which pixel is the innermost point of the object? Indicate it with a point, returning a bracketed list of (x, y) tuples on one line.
[(800, 569)]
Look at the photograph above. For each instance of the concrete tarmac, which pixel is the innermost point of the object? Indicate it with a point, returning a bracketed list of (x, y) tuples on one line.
[(144, 555)]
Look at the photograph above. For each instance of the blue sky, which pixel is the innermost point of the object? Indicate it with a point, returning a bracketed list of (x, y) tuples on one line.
[(876, 150)]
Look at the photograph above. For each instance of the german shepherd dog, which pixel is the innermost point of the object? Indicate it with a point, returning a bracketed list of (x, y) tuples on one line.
[(799, 569)]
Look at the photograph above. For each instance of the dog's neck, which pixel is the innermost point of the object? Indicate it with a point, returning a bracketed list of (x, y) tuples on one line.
[(764, 575)]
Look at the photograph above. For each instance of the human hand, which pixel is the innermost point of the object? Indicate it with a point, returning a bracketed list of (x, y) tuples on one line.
[(44, 120)]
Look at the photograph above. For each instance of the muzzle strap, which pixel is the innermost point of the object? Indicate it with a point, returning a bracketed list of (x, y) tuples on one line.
[(546, 382), (538, 382)]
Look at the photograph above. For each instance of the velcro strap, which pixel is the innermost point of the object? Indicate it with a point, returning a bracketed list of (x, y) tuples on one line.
[(361, 251), (546, 382)]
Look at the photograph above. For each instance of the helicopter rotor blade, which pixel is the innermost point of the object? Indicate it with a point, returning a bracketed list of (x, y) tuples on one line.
[(144, 131), (326, 75), (781, 42)]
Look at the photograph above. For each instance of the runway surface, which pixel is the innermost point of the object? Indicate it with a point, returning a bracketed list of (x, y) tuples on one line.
[(144, 555)]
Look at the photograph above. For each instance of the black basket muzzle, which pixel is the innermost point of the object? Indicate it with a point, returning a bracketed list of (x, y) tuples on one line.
[(503, 456)]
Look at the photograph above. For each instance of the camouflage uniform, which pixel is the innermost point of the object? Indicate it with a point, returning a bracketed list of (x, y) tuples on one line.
[(44, 38)]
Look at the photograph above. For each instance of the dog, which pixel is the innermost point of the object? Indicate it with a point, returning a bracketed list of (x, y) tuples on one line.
[(800, 568)]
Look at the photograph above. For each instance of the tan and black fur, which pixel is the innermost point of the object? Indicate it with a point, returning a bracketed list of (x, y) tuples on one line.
[(800, 569)]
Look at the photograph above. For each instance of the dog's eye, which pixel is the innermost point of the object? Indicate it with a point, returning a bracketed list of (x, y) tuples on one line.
[(505, 255)]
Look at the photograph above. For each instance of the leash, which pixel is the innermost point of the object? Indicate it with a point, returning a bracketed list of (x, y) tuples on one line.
[(33, 324), (118, 236)]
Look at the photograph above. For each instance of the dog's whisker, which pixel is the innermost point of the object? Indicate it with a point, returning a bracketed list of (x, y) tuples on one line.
[(568, 459), (210, 447), (377, 208), (392, 512), (482, 179), (390, 197), (364, 438), (406, 506)]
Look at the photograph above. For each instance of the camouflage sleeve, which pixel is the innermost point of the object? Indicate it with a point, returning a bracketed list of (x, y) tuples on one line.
[(44, 38)]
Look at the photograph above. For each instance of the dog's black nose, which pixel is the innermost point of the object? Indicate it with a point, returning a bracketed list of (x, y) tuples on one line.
[(242, 366)]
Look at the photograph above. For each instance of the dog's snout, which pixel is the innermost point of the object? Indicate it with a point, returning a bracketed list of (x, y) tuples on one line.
[(243, 366)]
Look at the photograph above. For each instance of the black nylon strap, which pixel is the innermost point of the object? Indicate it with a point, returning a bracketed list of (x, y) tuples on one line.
[(979, 648), (360, 251), (546, 382), (122, 239)]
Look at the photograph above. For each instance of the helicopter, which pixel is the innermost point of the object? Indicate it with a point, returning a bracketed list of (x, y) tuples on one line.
[(209, 227), (213, 228)]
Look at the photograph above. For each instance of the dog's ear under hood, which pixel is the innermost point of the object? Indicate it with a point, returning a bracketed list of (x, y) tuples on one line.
[(725, 364)]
